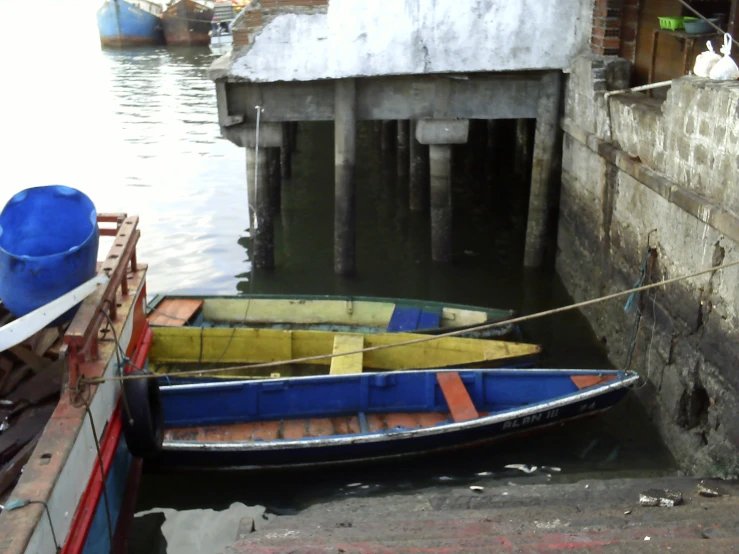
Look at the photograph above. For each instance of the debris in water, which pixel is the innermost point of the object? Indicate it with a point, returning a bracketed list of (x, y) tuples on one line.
[(551, 469), (627, 512), (587, 486), (590, 446), (476, 488), (522, 467), (613, 455), (647, 538), (484, 473), (705, 491), (352, 485), (505, 493), (656, 497), (4, 426)]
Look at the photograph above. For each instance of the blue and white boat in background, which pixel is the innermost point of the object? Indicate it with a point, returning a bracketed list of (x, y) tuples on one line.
[(124, 23)]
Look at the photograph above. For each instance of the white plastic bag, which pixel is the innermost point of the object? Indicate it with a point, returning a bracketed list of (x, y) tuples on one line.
[(725, 69), (705, 61)]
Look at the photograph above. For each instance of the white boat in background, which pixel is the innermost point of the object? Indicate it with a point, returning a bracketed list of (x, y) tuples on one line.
[(225, 14)]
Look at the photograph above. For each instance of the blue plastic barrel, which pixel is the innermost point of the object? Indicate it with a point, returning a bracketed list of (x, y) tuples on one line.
[(48, 246)]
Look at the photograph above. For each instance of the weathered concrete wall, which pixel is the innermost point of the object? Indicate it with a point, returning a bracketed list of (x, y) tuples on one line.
[(305, 40), (663, 175)]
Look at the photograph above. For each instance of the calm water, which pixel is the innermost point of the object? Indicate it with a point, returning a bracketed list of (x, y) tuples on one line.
[(137, 131)]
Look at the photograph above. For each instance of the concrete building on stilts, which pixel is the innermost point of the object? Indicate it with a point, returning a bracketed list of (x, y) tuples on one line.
[(429, 66), (646, 181)]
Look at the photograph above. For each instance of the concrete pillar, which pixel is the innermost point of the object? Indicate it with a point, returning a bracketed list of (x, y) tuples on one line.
[(541, 174), (345, 146), (418, 185), (286, 151), (263, 249), (440, 135), (403, 147), (440, 170), (522, 155), (275, 179)]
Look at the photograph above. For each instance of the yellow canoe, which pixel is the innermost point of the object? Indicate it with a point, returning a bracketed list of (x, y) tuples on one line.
[(176, 349)]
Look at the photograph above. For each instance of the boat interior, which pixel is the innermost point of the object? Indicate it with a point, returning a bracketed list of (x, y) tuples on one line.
[(175, 349), (332, 313), (316, 407)]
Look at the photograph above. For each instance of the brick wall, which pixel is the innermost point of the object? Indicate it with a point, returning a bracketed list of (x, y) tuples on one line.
[(615, 27), (260, 12), (605, 39)]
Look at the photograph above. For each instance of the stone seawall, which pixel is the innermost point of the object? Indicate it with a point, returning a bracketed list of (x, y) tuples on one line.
[(652, 190)]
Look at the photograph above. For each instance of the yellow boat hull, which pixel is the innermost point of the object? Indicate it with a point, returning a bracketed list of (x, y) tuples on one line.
[(176, 348)]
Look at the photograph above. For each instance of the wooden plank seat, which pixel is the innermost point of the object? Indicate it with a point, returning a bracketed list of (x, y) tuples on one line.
[(585, 381), (457, 398), (175, 312), (351, 363)]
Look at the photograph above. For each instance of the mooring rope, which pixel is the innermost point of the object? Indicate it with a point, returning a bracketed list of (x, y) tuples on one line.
[(521, 319)]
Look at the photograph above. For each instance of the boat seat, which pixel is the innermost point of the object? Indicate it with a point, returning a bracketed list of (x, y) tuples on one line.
[(352, 363), (457, 398), (587, 381), (409, 318), (175, 312)]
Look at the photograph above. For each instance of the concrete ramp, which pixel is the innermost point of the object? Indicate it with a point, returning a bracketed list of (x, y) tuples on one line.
[(586, 516)]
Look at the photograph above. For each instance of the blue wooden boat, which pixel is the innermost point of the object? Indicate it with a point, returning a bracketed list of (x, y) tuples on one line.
[(124, 23), (357, 417)]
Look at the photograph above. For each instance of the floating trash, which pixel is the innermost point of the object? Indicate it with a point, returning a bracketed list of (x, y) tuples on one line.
[(703, 490), (353, 485), (665, 498), (476, 488), (627, 512), (551, 469), (484, 473), (522, 467), (647, 538)]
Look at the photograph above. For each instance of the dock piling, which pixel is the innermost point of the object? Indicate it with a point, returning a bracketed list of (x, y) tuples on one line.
[(275, 179), (345, 139), (522, 156), (403, 147), (440, 170), (286, 151), (419, 164), (542, 163), (262, 224), (440, 134), (387, 135)]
